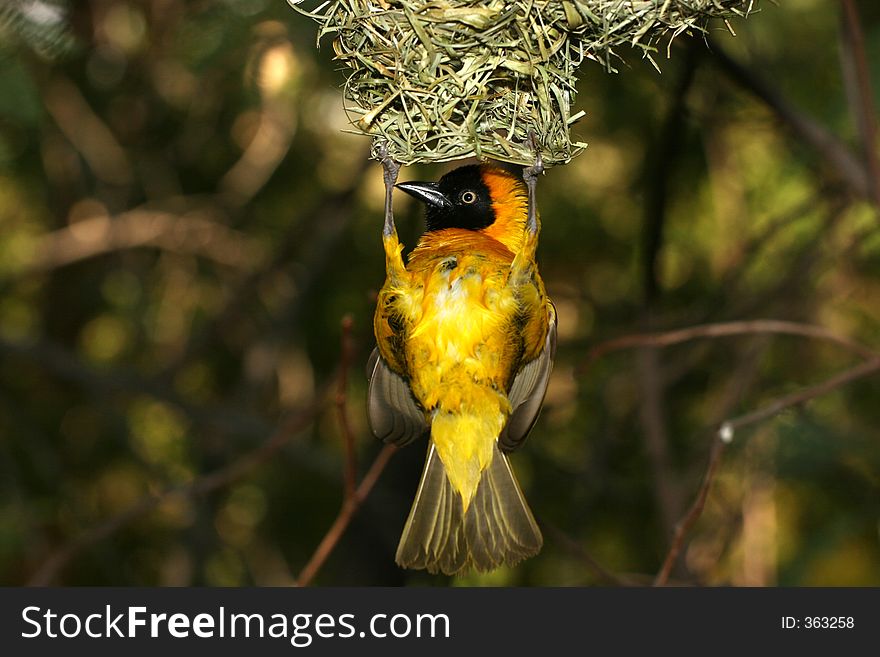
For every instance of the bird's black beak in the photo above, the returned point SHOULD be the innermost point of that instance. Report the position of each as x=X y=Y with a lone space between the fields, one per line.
x=427 y=192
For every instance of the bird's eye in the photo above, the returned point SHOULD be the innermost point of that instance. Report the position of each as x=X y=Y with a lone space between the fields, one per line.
x=468 y=197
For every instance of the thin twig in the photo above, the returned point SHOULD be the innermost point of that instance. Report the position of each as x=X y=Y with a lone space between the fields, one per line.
x=725 y=435
x=722 y=329
x=866 y=368
x=346 y=513
x=353 y=496
x=684 y=525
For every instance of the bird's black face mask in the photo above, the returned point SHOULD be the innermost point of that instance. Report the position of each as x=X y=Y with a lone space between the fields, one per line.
x=460 y=200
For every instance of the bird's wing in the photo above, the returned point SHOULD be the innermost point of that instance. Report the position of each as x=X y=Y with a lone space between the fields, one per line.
x=527 y=394
x=393 y=413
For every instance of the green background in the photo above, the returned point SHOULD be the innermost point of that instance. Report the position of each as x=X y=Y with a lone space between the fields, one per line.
x=184 y=225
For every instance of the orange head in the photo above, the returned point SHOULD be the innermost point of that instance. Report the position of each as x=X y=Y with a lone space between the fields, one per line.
x=478 y=197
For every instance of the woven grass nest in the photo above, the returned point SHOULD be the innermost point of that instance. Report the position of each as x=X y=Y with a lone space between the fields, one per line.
x=439 y=80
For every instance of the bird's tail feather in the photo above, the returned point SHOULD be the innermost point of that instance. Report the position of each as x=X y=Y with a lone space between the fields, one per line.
x=497 y=529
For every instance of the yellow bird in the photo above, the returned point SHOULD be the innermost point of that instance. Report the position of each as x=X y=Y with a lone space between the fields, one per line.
x=466 y=337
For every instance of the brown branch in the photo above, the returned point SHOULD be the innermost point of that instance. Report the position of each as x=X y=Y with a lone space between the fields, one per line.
x=738 y=382
x=263 y=155
x=684 y=525
x=353 y=496
x=659 y=166
x=858 y=76
x=866 y=368
x=840 y=159
x=179 y=233
x=346 y=513
x=722 y=329
x=86 y=131
x=292 y=425
x=652 y=416
x=725 y=435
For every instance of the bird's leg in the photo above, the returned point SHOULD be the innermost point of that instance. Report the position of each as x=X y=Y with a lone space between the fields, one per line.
x=390 y=169
x=530 y=175
x=394 y=267
x=523 y=264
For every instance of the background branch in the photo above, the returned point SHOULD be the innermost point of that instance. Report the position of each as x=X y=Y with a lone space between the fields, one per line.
x=842 y=164
x=191 y=233
x=722 y=329
x=683 y=526
x=860 y=371
x=185 y=221
x=725 y=435
x=661 y=162
x=350 y=506
x=86 y=131
x=353 y=496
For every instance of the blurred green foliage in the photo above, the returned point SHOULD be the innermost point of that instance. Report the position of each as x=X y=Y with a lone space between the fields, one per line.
x=184 y=226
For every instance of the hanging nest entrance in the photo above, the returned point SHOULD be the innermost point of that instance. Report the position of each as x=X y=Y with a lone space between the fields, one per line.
x=438 y=80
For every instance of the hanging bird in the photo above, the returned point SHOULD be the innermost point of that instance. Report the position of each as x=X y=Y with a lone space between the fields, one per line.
x=466 y=338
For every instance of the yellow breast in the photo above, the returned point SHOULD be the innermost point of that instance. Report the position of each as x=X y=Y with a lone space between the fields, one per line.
x=454 y=327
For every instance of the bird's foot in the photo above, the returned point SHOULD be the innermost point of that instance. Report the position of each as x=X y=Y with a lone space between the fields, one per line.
x=390 y=171
x=530 y=176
